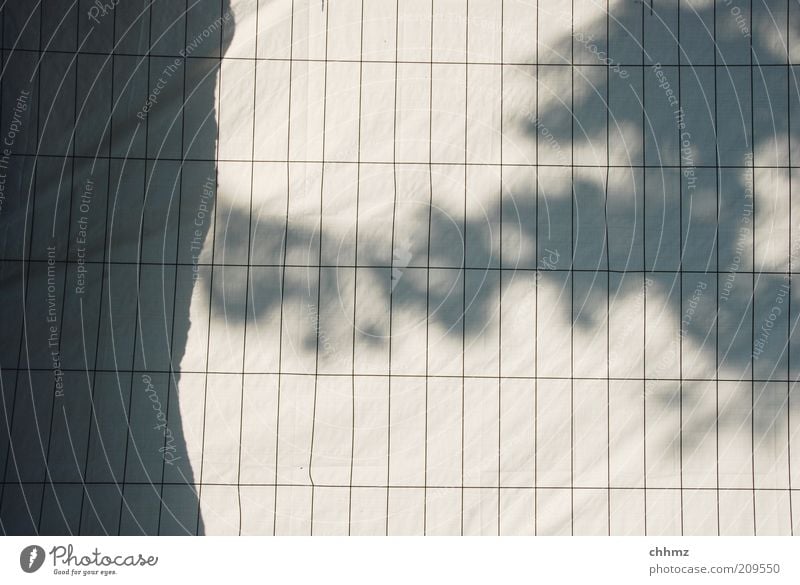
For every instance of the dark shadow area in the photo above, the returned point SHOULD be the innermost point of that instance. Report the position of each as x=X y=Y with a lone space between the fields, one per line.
x=106 y=168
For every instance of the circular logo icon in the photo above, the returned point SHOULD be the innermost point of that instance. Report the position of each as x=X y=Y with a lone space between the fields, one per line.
x=31 y=558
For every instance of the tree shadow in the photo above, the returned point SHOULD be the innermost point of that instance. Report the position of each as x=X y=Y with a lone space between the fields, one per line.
x=668 y=230
x=678 y=196
x=108 y=168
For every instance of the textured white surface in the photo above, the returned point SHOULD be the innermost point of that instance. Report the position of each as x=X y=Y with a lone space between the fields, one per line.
x=450 y=284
